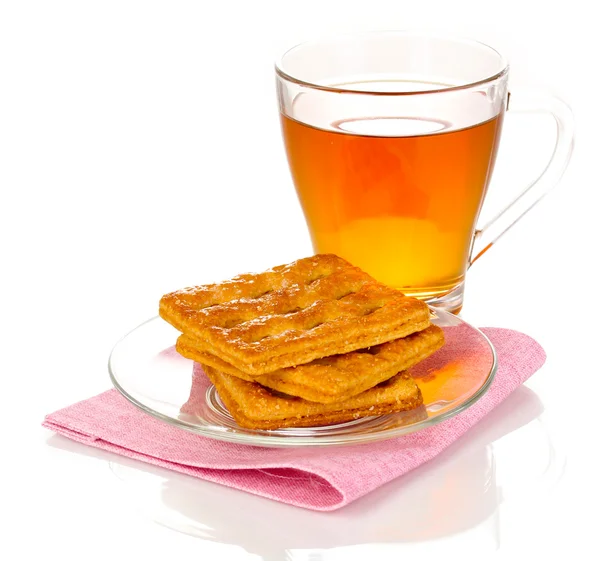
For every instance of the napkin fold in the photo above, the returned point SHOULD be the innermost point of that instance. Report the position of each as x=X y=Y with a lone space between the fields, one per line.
x=314 y=478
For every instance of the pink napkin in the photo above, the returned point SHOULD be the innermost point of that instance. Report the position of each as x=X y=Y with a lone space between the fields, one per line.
x=314 y=478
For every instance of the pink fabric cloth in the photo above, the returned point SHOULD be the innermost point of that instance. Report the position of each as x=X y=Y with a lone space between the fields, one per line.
x=314 y=478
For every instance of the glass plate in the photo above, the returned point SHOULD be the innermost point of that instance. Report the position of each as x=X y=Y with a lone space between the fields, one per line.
x=147 y=370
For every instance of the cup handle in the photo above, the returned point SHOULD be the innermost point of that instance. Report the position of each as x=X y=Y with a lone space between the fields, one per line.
x=530 y=102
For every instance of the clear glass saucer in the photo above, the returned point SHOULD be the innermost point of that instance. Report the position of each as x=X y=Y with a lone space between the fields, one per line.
x=147 y=370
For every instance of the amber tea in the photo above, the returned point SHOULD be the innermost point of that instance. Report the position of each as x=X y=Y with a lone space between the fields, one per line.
x=391 y=139
x=402 y=208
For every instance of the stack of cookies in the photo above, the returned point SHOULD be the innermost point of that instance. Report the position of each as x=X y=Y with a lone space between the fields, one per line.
x=311 y=343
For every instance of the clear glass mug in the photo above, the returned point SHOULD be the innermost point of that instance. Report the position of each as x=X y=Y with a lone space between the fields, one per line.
x=391 y=139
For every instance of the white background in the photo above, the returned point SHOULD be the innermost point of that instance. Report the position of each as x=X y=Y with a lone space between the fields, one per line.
x=140 y=152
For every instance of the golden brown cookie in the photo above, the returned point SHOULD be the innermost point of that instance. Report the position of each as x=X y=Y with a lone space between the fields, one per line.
x=256 y=407
x=337 y=377
x=292 y=314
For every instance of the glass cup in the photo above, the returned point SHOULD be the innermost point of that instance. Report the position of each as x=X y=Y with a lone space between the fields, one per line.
x=391 y=139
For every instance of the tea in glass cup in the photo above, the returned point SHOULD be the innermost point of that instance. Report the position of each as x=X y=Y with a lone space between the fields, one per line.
x=391 y=139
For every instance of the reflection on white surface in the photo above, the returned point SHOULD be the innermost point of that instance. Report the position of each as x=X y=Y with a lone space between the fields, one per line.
x=450 y=504
x=453 y=500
